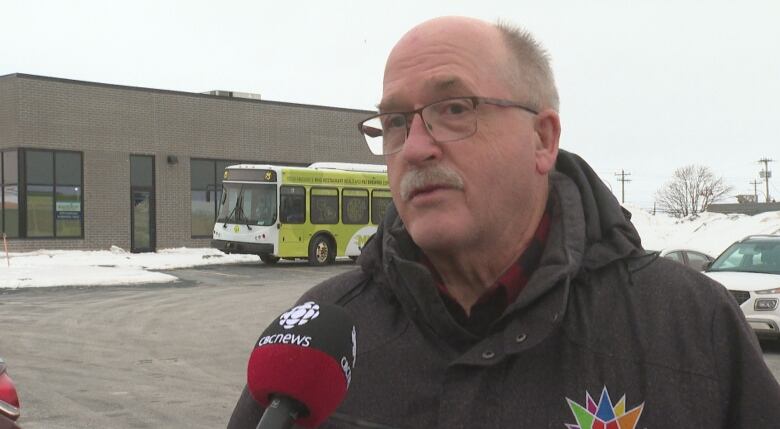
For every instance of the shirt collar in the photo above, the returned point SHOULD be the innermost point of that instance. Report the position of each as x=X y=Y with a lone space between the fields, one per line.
x=509 y=285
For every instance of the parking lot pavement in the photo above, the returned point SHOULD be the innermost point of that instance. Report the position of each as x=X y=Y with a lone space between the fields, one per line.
x=154 y=356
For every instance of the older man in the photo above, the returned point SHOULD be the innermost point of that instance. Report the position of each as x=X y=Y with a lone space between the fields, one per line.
x=508 y=288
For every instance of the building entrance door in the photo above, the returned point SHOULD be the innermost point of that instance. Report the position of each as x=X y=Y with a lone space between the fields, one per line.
x=142 y=210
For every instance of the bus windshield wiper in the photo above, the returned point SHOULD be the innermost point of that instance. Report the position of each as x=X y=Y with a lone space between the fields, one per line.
x=243 y=215
x=238 y=202
x=240 y=214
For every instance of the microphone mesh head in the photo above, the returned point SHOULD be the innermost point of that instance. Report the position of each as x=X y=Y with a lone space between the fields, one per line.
x=307 y=355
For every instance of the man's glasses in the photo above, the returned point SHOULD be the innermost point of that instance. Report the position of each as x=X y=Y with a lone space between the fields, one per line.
x=446 y=121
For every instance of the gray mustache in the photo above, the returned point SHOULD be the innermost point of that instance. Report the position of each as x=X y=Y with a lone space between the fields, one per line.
x=429 y=176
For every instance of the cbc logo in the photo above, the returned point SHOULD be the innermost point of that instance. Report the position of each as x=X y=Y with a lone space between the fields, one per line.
x=299 y=315
x=354 y=345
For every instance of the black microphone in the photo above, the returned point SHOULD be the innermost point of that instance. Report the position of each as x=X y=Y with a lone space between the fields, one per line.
x=301 y=366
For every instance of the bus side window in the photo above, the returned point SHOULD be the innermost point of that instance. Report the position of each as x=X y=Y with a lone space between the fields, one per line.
x=324 y=205
x=380 y=199
x=354 y=206
x=292 y=206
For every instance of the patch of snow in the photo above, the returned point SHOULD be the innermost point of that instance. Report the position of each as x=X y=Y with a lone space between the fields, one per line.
x=45 y=268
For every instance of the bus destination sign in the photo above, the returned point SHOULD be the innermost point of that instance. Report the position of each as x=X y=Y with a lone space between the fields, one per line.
x=250 y=175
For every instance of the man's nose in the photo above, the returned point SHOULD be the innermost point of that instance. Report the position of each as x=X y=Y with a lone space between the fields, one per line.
x=420 y=144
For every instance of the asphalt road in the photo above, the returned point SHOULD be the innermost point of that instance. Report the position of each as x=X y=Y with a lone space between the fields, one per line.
x=154 y=356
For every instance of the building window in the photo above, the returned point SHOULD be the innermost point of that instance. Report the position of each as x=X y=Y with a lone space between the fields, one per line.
x=42 y=194
x=46 y=202
x=67 y=194
x=53 y=199
x=206 y=191
x=40 y=211
x=9 y=206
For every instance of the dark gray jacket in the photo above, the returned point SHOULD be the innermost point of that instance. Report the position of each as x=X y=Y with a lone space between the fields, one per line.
x=601 y=329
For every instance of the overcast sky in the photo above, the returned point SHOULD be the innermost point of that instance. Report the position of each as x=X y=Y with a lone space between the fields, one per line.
x=646 y=86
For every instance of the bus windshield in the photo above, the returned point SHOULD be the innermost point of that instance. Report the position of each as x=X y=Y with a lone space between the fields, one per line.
x=248 y=203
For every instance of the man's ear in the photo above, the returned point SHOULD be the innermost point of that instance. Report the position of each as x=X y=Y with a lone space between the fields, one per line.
x=548 y=131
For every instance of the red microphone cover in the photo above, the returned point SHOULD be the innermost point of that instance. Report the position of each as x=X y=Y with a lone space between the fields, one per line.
x=307 y=355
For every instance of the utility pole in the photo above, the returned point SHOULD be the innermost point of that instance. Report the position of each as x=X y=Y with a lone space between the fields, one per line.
x=623 y=181
x=755 y=189
x=766 y=174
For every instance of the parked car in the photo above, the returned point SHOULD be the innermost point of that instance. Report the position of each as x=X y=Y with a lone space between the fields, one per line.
x=692 y=258
x=750 y=270
x=9 y=399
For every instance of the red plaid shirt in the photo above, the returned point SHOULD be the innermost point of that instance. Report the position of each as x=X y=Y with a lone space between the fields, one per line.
x=504 y=291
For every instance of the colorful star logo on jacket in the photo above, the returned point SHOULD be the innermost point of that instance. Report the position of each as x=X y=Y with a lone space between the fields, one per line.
x=604 y=415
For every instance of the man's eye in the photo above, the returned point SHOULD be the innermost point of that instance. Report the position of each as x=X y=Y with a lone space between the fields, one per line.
x=455 y=107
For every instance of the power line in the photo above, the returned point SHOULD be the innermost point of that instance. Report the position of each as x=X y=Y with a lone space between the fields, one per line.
x=623 y=181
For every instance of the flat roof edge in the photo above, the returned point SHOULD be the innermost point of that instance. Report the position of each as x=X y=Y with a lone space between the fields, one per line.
x=183 y=93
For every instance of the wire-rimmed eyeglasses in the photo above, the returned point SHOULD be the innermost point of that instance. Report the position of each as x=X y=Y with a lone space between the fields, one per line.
x=446 y=121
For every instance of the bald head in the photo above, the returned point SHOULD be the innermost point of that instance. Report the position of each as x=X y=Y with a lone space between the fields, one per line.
x=500 y=54
x=453 y=28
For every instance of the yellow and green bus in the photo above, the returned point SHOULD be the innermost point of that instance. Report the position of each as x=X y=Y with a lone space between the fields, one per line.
x=317 y=212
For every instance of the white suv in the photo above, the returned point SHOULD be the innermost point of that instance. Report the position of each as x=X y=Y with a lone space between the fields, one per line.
x=750 y=270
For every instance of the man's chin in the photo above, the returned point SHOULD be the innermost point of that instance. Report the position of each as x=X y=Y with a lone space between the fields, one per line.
x=435 y=237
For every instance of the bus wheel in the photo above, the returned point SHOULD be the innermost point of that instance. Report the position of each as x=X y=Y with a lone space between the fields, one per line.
x=269 y=259
x=321 y=251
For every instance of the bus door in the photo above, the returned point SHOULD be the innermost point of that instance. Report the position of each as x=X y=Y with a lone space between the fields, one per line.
x=293 y=232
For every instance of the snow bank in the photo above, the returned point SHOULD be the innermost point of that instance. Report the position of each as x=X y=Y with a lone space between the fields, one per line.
x=105 y=267
x=710 y=233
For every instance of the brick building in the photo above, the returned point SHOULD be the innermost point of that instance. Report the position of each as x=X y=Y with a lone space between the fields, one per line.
x=88 y=165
